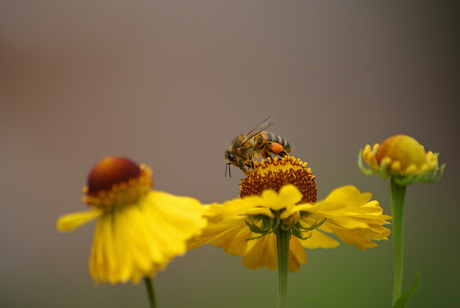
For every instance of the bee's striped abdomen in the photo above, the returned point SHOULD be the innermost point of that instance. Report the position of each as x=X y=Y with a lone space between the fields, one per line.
x=267 y=136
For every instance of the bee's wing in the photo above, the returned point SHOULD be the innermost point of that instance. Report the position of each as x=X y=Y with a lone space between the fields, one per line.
x=257 y=130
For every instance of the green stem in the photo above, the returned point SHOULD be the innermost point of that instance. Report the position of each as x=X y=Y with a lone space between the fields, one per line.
x=282 y=245
x=398 y=193
x=150 y=291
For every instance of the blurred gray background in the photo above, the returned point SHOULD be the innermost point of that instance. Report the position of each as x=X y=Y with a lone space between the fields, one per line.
x=171 y=83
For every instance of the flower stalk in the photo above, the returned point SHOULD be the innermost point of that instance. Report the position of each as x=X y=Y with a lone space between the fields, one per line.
x=282 y=246
x=398 y=193
x=150 y=292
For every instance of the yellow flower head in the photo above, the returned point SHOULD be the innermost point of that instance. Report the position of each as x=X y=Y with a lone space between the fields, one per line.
x=281 y=193
x=402 y=158
x=138 y=230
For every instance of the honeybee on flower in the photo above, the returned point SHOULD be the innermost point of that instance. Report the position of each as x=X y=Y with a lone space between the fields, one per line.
x=245 y=147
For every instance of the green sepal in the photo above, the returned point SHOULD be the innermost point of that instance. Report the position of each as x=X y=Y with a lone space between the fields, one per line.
x=423 y=177
x=298 y=229
x=268 y=225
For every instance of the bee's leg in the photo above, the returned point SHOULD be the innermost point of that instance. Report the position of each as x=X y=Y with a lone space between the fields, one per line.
x=243 y=168
x=266 y=154
x=265 y=150
x=250 y=166
x=282 y=153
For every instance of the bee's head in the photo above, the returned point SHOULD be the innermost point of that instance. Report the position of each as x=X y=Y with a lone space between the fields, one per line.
x=230 y=157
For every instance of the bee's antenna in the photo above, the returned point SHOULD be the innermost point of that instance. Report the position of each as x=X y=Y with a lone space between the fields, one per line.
x=227 y=166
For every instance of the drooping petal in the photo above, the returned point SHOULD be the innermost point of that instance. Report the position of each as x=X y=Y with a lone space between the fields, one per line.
x=358 y=238
x=184 y=214
x=229 y=234
x=318 y=239
x=227 y=228
x=263 y=253
x=297 y=255
x=103 y=260
x=235 y=241
x=353 y=238
x=137 y=240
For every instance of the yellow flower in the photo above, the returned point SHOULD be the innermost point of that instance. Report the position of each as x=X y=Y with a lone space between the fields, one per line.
x=138 y=230
x=402 y=158
x=282 y=194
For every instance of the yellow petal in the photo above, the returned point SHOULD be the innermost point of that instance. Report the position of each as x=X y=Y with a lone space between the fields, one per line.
x=239 y=206
x=229 y=234
x=297 y=255
x=342 y=197
x=227 y=228
x=183 y=213
x=135 y=241
x=318 y=239
x=102 y=260
x=352 y=238
x=288 y=195
x=350 y=215
x=263 y=253
x=271 y=199
x=70 y=222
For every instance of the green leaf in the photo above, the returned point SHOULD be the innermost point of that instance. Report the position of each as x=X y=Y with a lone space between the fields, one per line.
x=401 y=302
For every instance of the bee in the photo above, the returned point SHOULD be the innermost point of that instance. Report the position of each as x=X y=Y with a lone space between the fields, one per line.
x=245 y=147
